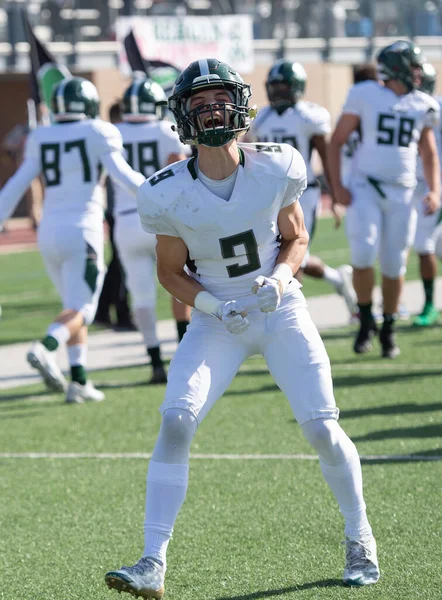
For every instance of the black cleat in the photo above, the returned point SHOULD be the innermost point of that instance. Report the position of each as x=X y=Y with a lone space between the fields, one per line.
x=159 y=375
x=366 y=333
x=388 y=343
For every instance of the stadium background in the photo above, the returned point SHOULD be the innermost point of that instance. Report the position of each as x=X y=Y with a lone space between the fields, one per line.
x=327 y=36
x=258 y=521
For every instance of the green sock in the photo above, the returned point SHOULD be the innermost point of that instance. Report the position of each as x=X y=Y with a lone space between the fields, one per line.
x=50 y=343
x=428 y=289
x=78 y=374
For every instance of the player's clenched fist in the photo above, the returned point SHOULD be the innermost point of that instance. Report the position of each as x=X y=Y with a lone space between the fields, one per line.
x=234 y=317
x=268 y=292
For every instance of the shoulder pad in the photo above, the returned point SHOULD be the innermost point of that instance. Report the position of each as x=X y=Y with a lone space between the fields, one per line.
x=314 y=114
x=161 y=189
x=276 y=159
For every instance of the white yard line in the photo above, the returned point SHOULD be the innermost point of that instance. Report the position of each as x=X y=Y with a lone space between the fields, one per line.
x=147 y=455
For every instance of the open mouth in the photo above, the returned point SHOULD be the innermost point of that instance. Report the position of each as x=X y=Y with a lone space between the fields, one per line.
x=212 y=122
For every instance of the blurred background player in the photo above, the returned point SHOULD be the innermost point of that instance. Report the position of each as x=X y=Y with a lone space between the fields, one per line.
x=114 y=296
x=366 y=72
x=150 y=145
x=396 y=120
x=424 y=243
x=69 y=154
x=305 y=126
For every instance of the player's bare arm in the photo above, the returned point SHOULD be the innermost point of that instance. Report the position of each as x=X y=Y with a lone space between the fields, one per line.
x=320 y=143
x=294 y=236
x=430 y=161
x=294 y=243
x=346 y=124
x=172 y=254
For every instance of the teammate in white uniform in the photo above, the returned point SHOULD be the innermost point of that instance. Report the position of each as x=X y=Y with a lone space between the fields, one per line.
x=424 y=242
x=70 y=155
x=234 y=212
x=395 y=120
x=150 y=145
x=365 y=72
x=305 y=126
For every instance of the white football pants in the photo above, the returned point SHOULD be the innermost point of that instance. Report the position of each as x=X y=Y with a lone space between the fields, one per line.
x=74 y=259
x=380 y=222
x=208 y=358
x=137 y=253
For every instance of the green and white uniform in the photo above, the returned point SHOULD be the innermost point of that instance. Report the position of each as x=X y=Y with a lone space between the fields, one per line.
x=70 y=156
x=380 y=219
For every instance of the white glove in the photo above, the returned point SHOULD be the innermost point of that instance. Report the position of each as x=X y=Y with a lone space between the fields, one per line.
x=268 y=292
x=234 y=317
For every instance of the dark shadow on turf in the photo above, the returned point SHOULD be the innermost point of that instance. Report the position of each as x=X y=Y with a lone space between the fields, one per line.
x=339 y=334
x=392 y=409
x=5 y=397
x=123 y=384
x=424 y=456
x=325 y=583
x=382 y=378
x=347 y=381
x=425 y=431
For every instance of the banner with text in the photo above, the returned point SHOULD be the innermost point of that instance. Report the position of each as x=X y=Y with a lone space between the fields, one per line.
x=181 y=40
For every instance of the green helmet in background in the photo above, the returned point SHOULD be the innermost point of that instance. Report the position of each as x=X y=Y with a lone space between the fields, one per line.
x=428 y=79
x=75 y=99
x=192 y=124
x=399 y=61
x=285 y=84
x=143 y=100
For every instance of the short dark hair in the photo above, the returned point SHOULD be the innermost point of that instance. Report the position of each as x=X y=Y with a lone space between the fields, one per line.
x=115 y=112
x=364 y=72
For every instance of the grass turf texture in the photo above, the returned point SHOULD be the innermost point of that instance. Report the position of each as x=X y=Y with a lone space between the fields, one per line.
x=250 y=529
x=30 y=302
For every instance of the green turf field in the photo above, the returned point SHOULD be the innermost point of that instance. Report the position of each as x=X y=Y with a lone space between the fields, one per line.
x=30 y=302
x=251 y=528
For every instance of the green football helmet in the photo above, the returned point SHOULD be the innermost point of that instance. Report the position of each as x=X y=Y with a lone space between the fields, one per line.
x=75 y=99
x=428 y=79
x=293 y=78
x=399 y=61
x=143 y=100
x=200 y=125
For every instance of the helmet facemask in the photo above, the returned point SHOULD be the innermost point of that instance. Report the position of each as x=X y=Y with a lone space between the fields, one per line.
x=214 y=124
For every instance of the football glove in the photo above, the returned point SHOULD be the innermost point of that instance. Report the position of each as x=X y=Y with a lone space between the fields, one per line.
x=268 y=292
x=234 y=317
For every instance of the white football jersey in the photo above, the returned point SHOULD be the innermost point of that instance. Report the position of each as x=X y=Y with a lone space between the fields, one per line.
x=147 y=148
x=348 y=154
x=69 y=157
x=438 y=135
x=295 y=126
x=391 y=128
x=230 y=242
